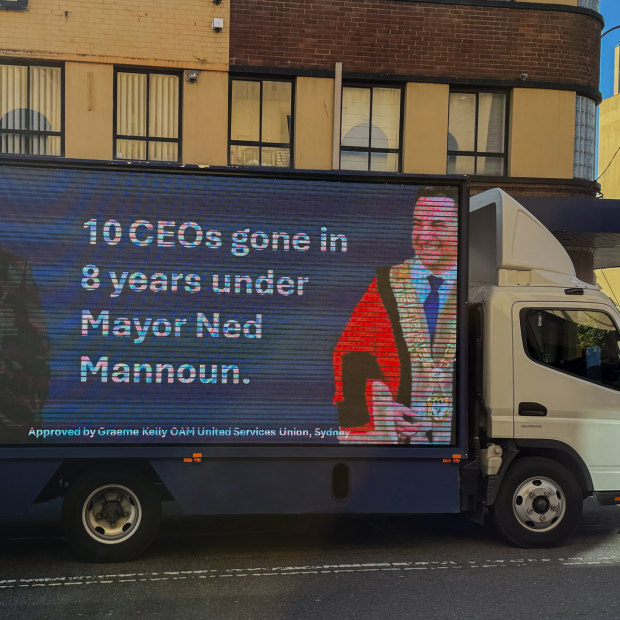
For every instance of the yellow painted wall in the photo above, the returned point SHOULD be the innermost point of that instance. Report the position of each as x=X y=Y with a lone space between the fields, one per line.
x=205 y=119
x=608 y=143
x=609 y=281
x=542 y=133
x=314 y=123
x=90 y=115
x=89 y=110
x=137 y=32
x=616 y=61
x=425 y=128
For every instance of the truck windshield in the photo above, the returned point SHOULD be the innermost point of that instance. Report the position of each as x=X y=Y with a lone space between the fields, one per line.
x=580 y=342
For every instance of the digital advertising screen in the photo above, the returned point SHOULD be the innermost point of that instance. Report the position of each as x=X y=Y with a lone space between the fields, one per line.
x=142 y=308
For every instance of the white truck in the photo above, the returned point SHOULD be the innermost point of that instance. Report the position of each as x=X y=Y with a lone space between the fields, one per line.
x=177 y=333
x=550 y=397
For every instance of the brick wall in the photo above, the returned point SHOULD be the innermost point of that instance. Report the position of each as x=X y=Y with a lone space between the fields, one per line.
x=416 y=38
x=542 y=188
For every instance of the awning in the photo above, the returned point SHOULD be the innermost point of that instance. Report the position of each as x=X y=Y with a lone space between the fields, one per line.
x=581 y=223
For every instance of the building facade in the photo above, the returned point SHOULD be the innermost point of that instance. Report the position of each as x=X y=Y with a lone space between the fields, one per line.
x=502 y=90
x=609 y=168
x=609 y=137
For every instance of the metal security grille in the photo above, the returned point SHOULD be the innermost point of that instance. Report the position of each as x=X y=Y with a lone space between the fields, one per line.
x=31 y=109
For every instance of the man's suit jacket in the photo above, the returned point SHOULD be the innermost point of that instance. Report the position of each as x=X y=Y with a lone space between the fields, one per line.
x=387 y=340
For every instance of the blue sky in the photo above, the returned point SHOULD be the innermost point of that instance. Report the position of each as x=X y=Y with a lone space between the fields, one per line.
x=610 y=9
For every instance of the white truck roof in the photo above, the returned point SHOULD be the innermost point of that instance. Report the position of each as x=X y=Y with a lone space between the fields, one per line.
x=509 y=246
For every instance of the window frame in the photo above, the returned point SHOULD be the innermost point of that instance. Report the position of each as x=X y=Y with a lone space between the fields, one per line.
x=369 y=150
x=476 y=153
x=523 y=328
x=14 y=5
x=148 y=71
x=260 y=144
x=38 y=133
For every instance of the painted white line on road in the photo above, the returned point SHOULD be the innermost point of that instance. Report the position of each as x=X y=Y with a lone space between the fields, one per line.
x=294 y=571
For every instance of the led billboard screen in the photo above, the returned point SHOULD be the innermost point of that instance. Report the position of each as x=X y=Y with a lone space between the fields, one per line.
x=161 y=307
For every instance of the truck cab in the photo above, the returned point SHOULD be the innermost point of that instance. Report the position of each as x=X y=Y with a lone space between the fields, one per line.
x=550 y=368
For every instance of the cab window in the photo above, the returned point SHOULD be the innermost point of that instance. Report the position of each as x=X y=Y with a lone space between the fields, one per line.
x=579 y=342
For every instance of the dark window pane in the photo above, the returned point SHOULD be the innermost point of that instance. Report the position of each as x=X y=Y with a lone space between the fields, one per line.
x=261 y=123
x=163 y=106
x=490 y=165
x=351 y=160
x=476 y=127
x=163 y=151
x=355 y=117
x=491 y=120
x=384 y=162
x=462 y=121
x=245 y=111
x=461 y=164
x=45 y=98
x=131 y=104
x=582 y=343
x=131 y=149
x=276 y=111
x=13 y=144
x=271 y=156
x=385 y=118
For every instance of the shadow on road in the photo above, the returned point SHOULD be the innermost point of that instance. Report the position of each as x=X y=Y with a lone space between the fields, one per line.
x=40 y=534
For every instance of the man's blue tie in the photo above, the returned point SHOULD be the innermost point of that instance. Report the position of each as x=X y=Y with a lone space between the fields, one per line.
x=431 y=305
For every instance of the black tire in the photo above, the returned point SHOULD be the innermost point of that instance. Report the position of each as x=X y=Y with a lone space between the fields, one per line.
x=539 y=503
x=111 y=515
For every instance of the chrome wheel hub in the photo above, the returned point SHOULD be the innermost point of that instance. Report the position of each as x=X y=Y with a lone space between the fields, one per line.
x=111 y=514
x=539 y=504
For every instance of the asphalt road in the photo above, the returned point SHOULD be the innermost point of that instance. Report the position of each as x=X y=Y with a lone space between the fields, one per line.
x=315 y=567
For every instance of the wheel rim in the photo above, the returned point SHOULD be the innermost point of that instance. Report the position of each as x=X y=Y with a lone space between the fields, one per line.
x=539 y=504
x=112 y=514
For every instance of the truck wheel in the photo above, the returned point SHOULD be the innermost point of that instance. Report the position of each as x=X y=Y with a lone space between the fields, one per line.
x=111 y=515
x=539 y=503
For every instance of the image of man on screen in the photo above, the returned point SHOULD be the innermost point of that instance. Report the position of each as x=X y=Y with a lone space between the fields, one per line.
x=394 y=361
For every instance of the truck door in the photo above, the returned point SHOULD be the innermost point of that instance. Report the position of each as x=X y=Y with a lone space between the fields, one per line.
x=567 y=382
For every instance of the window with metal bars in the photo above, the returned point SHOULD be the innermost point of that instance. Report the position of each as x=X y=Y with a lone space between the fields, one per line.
x=148 y=118
x=31 y=109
